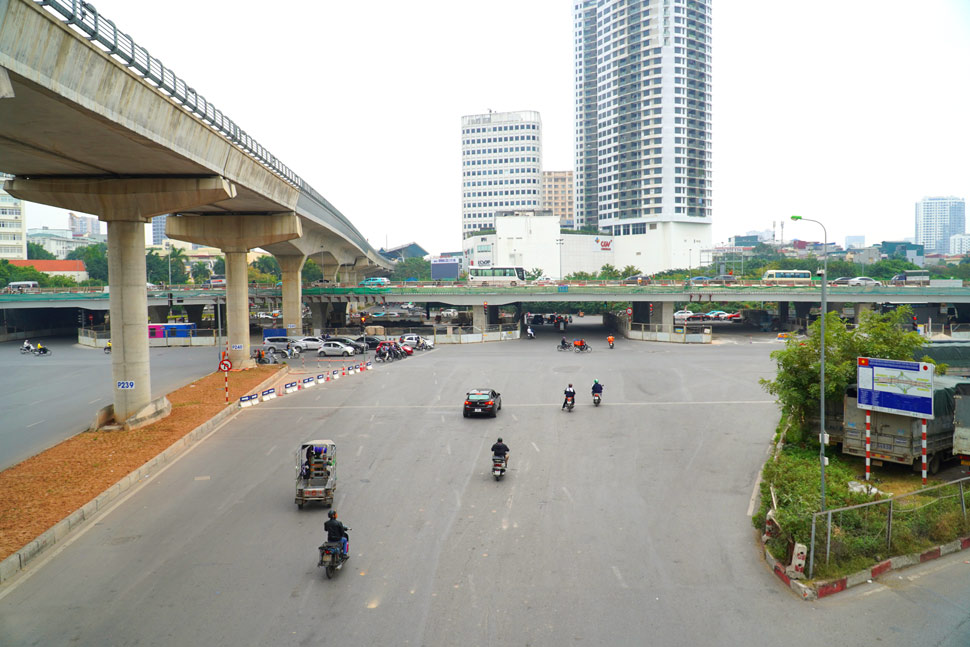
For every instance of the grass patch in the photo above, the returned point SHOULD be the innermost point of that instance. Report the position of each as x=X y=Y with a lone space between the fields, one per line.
x=857 y=538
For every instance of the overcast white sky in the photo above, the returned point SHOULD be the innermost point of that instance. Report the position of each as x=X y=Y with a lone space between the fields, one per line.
x=846 y=111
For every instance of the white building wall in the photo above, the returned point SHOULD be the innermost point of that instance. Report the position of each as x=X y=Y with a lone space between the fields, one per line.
x=960 y=243
x=13 y=228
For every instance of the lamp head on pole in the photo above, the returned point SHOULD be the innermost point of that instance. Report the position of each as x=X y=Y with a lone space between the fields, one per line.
x=796 y=217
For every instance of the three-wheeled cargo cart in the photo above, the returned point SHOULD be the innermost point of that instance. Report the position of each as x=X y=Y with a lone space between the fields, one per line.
x=316 y=472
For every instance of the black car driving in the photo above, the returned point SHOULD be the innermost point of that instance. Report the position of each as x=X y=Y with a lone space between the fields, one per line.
x=482 y=402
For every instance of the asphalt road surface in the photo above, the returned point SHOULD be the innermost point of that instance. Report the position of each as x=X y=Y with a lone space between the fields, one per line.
x=46 y=400
x=625 y=524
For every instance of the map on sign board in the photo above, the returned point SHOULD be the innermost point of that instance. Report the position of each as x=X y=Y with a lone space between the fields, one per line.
x=896 y=386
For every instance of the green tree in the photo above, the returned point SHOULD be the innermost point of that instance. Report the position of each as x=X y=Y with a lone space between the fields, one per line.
x=95 y=259
x=412 y=268
x=630 y=270
x=609 y=273
x=580 y=276
x=534 y=273
x=311 y=271
x=178 y=259
x=796 y=384
x=37 y=252
x=200 y=272
x=219 y=267
x=268 y=265
x=156 y=267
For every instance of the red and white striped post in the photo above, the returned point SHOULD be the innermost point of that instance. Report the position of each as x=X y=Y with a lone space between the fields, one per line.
x=868 y=442
x=227 y=386
x=924 y=451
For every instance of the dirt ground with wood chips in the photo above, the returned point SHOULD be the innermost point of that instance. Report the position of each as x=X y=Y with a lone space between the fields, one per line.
x=42 y=490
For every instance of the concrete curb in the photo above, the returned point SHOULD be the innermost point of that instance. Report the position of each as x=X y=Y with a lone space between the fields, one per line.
x=34 y=549
x=825 y=588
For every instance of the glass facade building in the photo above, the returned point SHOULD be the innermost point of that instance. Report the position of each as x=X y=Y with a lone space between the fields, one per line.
x=501 y=155
x=643 y=113
x=936 y=220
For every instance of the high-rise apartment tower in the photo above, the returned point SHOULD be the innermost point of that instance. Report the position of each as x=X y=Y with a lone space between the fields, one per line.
x=13 y=227
x=936 y=220
x=557 y=195
x=643 y=120
x=501 y=162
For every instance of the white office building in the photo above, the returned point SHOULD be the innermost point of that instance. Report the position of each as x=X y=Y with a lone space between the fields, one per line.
x=960 y=244
x=937 y=219
x=13 y=228
x=501 y=155
x=643 y=123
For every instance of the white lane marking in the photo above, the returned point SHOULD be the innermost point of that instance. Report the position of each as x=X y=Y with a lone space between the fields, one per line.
x=374 y=414
x=271 y=450
x=202 y=478
x=360 y=449
x=94 y=400
x=515 y=418
x=25 y=575
x=448 y=448
x=568 y=495
x=299 y=419
x=36 y=423
x=685 y=403
x=536 y=447
x=442 y=418
x=38 y=402
x=619 y=577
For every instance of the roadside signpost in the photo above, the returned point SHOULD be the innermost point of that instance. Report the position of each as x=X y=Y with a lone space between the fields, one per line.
x=224 y=366
x=895 y=386
x=629 y=312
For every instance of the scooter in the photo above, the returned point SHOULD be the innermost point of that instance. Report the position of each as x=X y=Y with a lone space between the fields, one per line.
x=332 y=557
x=611 y=343
x=596 y=399
x=107 y=350
x=570 y=402
x=41 y=351
x=26 y=349
x=499 y=464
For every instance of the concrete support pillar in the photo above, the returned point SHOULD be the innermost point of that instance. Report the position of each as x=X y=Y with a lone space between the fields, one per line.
x=338 y=315
x=482 y=316
x=237 y=307
x=318 y=317
x=128 y=299
x=663 y=313
x=158 y=314
x=292 y=293
x=783 y=313
x=859 y=309
x=802 y=309
x=194 y=313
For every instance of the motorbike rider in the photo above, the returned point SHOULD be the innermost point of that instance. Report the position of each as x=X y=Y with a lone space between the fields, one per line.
x=27 y=345
x=597 y=388
x=529 y=332
x=40 y=348
x=610 y=340
x=337 y=532
x=570 y=392
x=579 y=343
x=501 y=449
x=564 y=343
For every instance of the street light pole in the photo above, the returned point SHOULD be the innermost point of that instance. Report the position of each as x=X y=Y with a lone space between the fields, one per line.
x=825 y=280
x=560 y=242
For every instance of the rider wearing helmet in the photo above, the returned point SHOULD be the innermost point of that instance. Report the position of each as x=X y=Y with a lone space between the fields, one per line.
x=336 y=531
x=597 y=387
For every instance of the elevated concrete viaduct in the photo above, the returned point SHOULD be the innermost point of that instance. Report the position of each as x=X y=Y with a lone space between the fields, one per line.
x=90 y=121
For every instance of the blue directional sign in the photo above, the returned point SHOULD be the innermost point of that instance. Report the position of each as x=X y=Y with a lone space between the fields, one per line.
x=896 y=386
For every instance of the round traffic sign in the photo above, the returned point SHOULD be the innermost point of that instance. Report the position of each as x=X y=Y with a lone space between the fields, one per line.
x=225 y=365
x=629 y=311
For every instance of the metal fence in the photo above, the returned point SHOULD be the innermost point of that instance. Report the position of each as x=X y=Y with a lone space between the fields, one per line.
x=895 y=526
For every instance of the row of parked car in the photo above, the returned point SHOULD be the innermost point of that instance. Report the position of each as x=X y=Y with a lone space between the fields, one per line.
x=340 y=346
x=713 y=315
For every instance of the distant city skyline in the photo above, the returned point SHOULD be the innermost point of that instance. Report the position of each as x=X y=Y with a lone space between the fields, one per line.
x=798 y=152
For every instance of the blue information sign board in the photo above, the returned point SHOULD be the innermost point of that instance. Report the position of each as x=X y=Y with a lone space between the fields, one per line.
x=896 y=386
